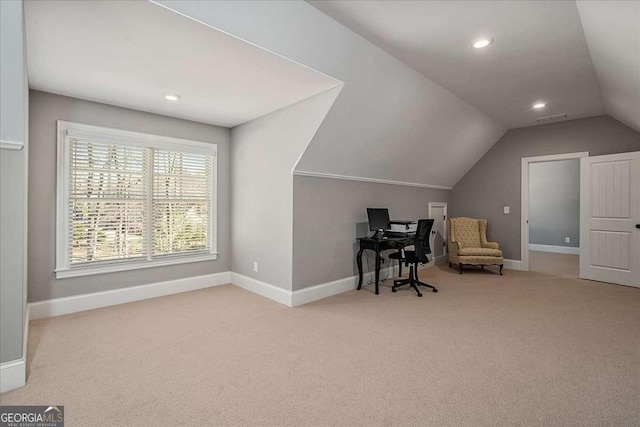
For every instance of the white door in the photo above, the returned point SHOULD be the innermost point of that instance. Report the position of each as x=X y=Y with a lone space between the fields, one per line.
x=610 y=218
x=438 y=211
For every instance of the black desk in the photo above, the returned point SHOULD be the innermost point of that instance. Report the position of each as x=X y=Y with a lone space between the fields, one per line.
x=379 y=245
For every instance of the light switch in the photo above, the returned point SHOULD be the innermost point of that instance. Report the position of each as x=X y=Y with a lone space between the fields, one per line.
x=506 y=209
x=567 y=239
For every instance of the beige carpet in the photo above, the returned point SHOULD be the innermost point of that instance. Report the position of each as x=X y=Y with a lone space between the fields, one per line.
x=564 y=265
x=524 y=349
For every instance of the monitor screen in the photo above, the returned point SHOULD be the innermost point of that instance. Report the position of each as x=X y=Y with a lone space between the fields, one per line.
x=378 y=218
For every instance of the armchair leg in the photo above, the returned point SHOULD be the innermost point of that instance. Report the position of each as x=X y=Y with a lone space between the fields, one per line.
x=501 y=265
x=460 y=266
x=450 y=265
x=482 y=267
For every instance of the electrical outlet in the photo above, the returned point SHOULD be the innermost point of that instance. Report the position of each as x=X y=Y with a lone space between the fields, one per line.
x=506 y=209
x=567 y=239
x=255 y=266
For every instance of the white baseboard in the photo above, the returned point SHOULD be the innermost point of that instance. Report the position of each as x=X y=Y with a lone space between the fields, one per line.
x=12 y=375
x=555 y=249
x=323 y=290
x=275 y=293
x=74 y=304
x=513 y=264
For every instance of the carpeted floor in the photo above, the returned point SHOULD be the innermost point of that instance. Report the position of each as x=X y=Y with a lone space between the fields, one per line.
x=564 y=265
x=524 y=349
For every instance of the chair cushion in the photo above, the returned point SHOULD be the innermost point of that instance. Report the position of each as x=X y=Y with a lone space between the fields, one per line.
x=479 y=252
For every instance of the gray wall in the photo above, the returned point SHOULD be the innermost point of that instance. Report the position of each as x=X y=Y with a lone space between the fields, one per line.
x=264 y=151
x=329 y=214
x=554 y=203
x=494 y=181
x=13 y=181
x=45 y=110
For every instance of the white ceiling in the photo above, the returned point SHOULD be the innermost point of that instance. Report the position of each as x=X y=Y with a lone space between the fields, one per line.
x=132 y=53
x=539 y=54
x=612 y=30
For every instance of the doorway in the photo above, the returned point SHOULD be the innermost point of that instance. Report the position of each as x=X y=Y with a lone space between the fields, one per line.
x=551 y=214
x=438 y=239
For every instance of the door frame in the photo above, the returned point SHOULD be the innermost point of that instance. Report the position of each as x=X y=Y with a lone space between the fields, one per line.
x=524 y=200
x=444 y=226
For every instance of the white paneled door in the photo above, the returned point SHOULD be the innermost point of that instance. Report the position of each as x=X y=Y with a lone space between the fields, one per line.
x=610 y=218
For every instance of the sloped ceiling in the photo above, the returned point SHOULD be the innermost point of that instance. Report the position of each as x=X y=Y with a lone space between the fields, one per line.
x=133 y=53
x=389 y=121
x=539 y=51
x=612 y=29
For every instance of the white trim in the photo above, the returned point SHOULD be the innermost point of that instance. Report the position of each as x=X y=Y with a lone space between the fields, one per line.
x=328 y=289
x=513 y=264
x=130 y=265
x=275 y=293
x=74 y=304
x=77 y=303
x=213 y=208
x=12 y=375
x=139 y=139
x=323 y=290
x=6 y=144
x=524 y=198
x=555 y=249
x=363 y=179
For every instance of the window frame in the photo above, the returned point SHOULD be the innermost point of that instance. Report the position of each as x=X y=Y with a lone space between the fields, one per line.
x=65 y=131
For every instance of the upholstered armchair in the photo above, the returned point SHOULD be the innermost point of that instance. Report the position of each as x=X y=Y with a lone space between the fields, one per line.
x=467 y=244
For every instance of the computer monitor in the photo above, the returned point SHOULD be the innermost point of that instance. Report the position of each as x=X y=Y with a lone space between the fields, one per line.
x=378 y=219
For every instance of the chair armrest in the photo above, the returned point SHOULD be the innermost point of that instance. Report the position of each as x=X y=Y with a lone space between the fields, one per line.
x=491 y=245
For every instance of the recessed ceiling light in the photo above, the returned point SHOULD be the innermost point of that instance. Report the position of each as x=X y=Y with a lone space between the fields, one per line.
x=539 y=105
x=172 y=97
x=479 y=44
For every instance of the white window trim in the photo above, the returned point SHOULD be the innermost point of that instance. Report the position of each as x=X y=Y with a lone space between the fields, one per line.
x=66 y=129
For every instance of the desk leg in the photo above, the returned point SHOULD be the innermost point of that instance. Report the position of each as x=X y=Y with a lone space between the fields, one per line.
x=377 y=271
x=359 y=261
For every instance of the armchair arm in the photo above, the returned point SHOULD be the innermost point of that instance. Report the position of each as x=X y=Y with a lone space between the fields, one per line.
x=491 y=245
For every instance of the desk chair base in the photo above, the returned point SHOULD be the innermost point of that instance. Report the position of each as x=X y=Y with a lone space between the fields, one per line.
x=412 y=281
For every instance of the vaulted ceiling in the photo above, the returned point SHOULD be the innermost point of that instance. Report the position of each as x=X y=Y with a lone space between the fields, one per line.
x=419 y=105
x=539 y=52
x=612 y=29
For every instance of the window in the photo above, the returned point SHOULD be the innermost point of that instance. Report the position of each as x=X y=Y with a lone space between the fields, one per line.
x=129 y=200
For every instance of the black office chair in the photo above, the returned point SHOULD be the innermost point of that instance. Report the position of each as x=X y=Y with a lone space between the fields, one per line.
x=417 y=256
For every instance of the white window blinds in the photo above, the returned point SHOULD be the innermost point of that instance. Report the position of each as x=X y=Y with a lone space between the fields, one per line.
x=127 y=198
x=181 y=202
x=107 y=197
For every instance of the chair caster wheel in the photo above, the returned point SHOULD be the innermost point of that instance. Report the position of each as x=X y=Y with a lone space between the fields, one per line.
x=435 y=290
x=393 y=290
x=419 y=295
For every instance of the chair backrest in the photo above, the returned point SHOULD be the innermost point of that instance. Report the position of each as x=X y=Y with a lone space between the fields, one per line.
x=466 y=231
x=421 y=243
